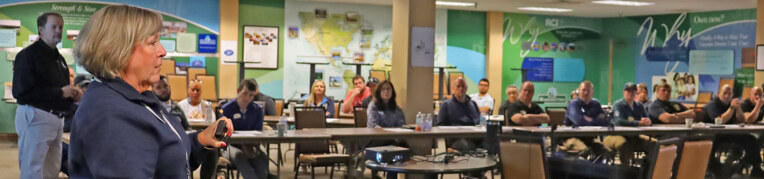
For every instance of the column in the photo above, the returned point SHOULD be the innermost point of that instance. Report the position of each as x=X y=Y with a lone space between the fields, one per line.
x=494 y=55
x=229 y=30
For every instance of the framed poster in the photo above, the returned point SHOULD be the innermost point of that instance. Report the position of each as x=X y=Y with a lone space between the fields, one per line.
x=759 y=57
x=261 y=47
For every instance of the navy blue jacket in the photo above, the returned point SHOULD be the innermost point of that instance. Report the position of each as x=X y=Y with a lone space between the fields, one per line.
x=625 y=115
x=455 y=113
x=115 y=136
x=250 y=120
x=577 y=109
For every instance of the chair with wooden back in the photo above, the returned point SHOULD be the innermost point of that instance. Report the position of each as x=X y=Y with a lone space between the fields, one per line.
x=279 y=106
x=726 y=81
x=209 y=87
x=359 y=113
x=179 y=86
x=661 y=159
x=703 y=98
x=168 y=67
x=693 y=160
x=379 y=74
x=522 y=157
x=192 y=72
x=314 y=153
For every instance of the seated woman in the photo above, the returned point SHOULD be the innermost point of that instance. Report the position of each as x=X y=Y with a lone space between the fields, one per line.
x=383 y=111
x=196 y=109
x=318 y=98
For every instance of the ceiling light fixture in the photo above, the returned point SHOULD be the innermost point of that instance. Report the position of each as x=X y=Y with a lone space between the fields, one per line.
x=623 y=3
x=454 y=3
x=545 y=9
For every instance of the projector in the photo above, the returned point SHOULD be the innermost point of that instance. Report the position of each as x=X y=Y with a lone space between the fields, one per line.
x=388 y=154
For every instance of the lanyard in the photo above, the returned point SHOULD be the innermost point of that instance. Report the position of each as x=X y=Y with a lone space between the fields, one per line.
x=163 y=119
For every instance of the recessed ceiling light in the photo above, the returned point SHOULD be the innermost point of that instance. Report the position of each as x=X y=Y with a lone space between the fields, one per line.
x=454 y=3
x=546 y=9
x=623 y=3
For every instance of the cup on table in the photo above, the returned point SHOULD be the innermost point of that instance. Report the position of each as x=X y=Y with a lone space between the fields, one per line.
x=688 y=122
x=718 y=121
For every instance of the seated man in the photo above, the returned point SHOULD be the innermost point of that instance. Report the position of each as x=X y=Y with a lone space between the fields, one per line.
x=752 y=106
x=355 y=97
x=372 y=85
x=460 y=110
x=511 y=98
x=524 y=112
x=246 y=116
x=163 y=92
x=664 y=111
x=482 y=99
x=628 y=112
x=729 y=110
x=587 y=111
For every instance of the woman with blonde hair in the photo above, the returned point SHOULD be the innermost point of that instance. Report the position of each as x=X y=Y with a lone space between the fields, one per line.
x=121 y=129
x=318 y=98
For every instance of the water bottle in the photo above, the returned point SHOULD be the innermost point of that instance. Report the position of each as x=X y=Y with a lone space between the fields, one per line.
x=482 y=119
x=427 y=122
x=419 y=119
x=281 y=127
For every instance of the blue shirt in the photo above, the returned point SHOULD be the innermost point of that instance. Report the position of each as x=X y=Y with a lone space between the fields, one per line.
x=625 y=115
x=251 y=119
x=327 y=104
x=114 y=135
x=455 y=113
x=577 y=109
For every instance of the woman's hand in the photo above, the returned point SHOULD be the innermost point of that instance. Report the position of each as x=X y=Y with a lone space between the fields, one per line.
x=207 y=136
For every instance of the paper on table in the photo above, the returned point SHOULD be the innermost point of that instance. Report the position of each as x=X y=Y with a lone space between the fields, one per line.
x=398 y=130
x=7 y=38
x=186 y=43
x=169 y=45
x=247 y=133
x=328 y=120
x=448 y=127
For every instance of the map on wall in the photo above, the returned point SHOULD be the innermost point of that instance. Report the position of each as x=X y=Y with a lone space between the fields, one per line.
x=335 y=33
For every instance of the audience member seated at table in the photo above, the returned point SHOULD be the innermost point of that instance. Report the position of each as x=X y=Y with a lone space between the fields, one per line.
x=460 y=110
x=511 y=98
x=752 y=106
x=317 y=98
x=355 y=97
x=642 y=96
x=270 y=104
x=729 y=110
x=482 y=98
x=664 y=111
x=246 y=116
x=586 y=111
x=628 y=112
x=384 y=111
x=524 y=112
x=372 y=85
x=196 y=109
x=162 y=90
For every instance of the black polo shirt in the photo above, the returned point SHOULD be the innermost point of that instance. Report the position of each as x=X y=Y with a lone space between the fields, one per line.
x=658 y=107
x=747 y=106
x=519 y=107
x=39 y=73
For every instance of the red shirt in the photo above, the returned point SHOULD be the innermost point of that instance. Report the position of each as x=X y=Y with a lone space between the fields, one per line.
x=358 y=100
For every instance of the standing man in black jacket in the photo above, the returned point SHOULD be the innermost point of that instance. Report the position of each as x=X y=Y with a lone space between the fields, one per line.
x=42 y=87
